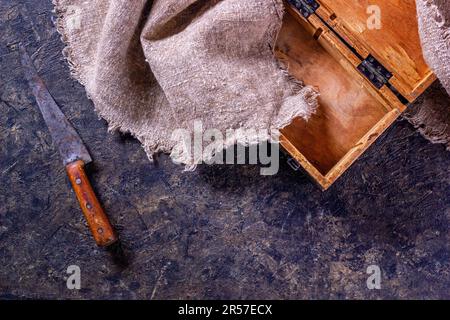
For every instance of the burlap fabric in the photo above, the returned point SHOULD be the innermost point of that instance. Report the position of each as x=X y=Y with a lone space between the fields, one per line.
x=152 y=67
x=431 y=113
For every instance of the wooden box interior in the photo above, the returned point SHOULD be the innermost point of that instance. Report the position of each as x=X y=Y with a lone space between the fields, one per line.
x=352 y=113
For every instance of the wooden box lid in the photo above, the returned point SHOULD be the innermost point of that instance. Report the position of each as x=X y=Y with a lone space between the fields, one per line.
x=394 y=42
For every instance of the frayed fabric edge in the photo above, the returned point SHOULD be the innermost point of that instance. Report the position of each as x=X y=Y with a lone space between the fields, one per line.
x=151 y=149
x=301 y=103
x=435 y=136
x=60 y=23
x=437 y=24
x=182 y=153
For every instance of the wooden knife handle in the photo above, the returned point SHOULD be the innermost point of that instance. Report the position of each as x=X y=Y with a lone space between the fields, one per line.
x=97 y=220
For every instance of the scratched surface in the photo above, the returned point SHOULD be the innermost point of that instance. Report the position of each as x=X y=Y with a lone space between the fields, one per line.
x=219 y=232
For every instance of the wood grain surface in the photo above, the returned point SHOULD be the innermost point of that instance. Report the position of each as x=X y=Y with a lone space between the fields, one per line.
x=96 y=218
x=396 y=43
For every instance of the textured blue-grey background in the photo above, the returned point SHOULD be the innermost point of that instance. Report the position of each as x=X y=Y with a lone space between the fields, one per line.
x=218 y=232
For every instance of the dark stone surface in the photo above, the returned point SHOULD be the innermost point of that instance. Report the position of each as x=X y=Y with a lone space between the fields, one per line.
x=219 y=232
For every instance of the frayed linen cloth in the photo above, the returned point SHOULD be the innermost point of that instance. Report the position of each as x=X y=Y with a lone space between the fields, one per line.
x=153 y=68
x=431 y=113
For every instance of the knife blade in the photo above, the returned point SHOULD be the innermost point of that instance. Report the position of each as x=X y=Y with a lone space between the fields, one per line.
x=73 y=152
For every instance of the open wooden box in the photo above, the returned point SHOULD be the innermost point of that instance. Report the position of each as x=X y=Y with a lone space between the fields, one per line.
x=366 y=77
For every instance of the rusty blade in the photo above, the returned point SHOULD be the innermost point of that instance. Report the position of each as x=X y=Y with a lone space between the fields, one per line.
x=64 y=136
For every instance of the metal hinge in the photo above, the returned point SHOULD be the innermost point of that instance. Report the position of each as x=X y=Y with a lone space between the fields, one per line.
x=306 y=7
x=373 y=70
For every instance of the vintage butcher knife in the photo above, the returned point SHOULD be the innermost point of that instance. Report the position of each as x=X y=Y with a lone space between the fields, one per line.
x=74 y=153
